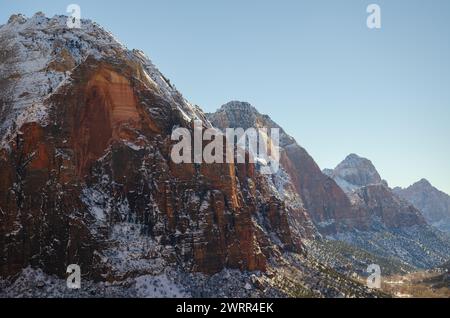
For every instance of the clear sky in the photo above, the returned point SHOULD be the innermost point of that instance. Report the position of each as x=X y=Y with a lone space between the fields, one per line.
x=313 y=66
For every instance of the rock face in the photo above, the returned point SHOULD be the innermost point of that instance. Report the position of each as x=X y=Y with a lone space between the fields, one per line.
x=393 y=226
x=86 y=178
x=434 y=204
x=319 y=195
x=385 y=208
x=359 y=178
x=85 y=156
x=351 y=202
x=354 y=172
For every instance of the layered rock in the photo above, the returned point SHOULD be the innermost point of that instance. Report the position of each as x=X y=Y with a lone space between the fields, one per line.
x=385 y=208
x=85 y=161
x=319 y=195
x=351 y=202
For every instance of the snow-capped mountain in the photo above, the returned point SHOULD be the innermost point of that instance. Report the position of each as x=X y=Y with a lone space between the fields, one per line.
x=38 y=56
x=433 y=203
x=86 y=178
x=99 y=156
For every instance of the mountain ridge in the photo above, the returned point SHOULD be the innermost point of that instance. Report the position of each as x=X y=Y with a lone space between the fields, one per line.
x=364 y=210
x=86 y=178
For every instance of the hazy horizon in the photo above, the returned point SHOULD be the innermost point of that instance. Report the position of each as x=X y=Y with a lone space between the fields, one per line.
x=313 y=66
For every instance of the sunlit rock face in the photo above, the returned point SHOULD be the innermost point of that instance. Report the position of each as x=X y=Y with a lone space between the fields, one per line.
x=87 y=157
x=86 y=178
x=323 y=200
x=350 y=203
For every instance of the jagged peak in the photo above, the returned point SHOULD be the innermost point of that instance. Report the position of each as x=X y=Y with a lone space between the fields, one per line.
x=244 y=115
x=241 y=107
x=425 y=185
x=422 y=184
x=353 y=158
x=40 y=22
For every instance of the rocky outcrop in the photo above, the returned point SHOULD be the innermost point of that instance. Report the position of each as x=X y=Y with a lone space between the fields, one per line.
x=393 y=227
x=325 y=202
x=433 y=203
x=354 y=172
x=385 y=208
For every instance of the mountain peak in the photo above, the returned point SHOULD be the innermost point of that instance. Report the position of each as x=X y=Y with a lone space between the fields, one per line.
x=355 y=172
x=21 y=18
x=353 y=157
x=41 y=54
x=39 y=19
x=423 y=182
x=238 y=105
x=240 y=114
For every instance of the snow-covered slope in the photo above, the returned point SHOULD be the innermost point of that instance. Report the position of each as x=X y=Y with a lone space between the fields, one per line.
x=38 y=55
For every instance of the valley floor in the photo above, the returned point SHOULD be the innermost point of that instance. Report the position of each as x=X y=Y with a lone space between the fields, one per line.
x=425 y=284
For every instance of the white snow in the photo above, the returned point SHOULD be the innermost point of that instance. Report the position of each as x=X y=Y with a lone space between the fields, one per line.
x=38 y=41
x=160 y=286
x=97 y=203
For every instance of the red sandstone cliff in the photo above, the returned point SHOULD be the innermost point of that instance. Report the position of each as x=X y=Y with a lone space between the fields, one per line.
x=92 y=150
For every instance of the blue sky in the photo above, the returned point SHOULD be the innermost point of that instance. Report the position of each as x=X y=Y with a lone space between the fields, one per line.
x=313 y=66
